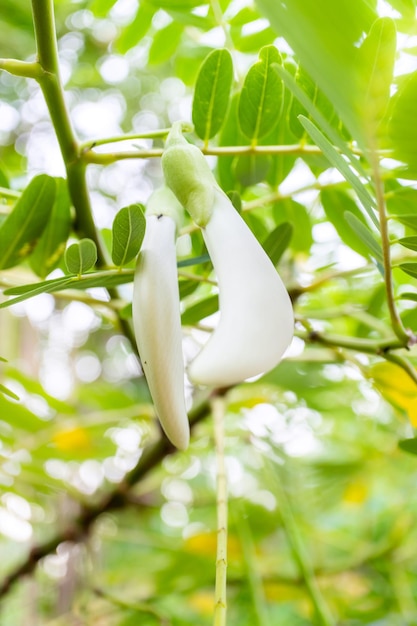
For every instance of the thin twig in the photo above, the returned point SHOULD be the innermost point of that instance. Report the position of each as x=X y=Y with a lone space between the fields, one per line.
x=396 y=321
x=220 y=606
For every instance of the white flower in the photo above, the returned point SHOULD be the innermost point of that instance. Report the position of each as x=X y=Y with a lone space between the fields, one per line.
x=157 y=325
x=256 y=316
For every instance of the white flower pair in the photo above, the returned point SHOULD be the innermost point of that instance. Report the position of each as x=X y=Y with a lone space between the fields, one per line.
x=256 y=316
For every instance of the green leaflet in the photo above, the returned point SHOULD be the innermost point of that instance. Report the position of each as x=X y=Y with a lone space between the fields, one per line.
x=212 y=93
x=199 y=260
x=409 y=295
x=165 y=43
x=29 y=291
x=137 y=29
x=5 y=390
x=402 y=127
x=366 y=235
x=406 y=7
x=316 y=99
x=106 y=279
x=261 y=98
x=252 y=168
x=336 y=204
x=288 y=210
x=101 y=8
x=200 y=310
x=176 y=5
x=409 y=242
x=408 y=445
x=128 y=231
x=278 y=241
x=324 y=35
x=316 y=115
x=230 y=135
x=252 y=41
x=24 y=225
x=409 y=220
x=51 y=245
x=8 y=392
x=339 y=162
x=409 y=268
x=376 y=58
x=81 y=257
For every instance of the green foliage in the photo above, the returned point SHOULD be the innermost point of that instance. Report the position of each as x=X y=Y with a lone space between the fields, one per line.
x=310 y=29
x=22 y=228
x=336 y=205
x=128 y=232
x=211 y=95
x=81 y=257
x=51 y=245
x=401 y=128
x=300 y=131
x=278 y=241
x=260 y=102
x=376 y=58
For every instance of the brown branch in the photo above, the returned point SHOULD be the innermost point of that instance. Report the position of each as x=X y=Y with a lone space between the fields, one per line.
x=79 y=528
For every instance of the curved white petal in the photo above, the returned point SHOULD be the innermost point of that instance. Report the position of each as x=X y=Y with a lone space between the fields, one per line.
x=157 y=325
x=256 y=316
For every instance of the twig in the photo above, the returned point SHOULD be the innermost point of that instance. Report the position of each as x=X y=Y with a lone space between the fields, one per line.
x=397 y=325
x=220 y=606
x=24 y=69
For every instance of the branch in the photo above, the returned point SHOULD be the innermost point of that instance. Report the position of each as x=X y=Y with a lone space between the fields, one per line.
x=160 y=133
x=370 y=346
x=378 y=347
x=407 y=338
x=220 y=607
x=78 y=529
x=106 y=158
x=52 y=89
x=21 y=68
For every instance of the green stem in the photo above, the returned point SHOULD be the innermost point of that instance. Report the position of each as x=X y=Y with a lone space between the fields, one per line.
x=9 y=193
x=223 y=24
x=89 y=156
x=50 y=83
x=161 y=133
x=21 y=68
x=369 y=346
x=220 y=606
x=77 y=186
x=107 y=158
x=52 y=89
x=378 y=347
x=396 y=321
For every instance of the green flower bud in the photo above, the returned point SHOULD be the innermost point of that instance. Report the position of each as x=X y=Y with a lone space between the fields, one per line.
x=188 y=175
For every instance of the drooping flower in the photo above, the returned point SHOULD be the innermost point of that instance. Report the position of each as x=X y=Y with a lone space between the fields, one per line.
x=156 y=317
x=256 y=316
